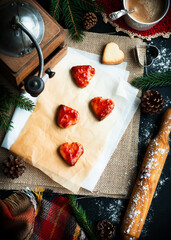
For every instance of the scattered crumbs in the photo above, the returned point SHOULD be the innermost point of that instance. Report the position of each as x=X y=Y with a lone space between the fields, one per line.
x=112 y=211
x=163 y=62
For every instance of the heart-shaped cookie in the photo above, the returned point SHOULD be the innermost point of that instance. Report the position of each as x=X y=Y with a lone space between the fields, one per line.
x=112 y=54
x=67 y=116
x=71 y=152
x=82 y=75
x=102 y=107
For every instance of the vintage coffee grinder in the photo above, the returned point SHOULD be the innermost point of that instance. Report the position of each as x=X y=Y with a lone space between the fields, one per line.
x=31 y=43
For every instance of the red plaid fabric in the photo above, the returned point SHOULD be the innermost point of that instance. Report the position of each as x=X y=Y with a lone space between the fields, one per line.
x=164 y=26
x=17 y=216
x=55 y=221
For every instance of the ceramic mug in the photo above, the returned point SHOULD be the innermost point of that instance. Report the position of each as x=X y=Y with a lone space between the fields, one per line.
x=142 y=26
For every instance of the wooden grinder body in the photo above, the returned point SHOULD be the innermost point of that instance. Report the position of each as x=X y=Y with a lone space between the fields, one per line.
x=18 y=69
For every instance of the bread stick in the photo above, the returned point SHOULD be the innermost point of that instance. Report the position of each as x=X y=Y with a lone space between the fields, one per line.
x=146 y=182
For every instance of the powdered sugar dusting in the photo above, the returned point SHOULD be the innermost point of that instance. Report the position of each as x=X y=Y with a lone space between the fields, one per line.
x=147 y=132
x=161 y=183
x=163 y=62
x=112 y=211
x=167 y=101
x=142 y=196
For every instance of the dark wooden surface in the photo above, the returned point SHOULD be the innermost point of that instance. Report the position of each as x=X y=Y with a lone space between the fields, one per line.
x=157 y=225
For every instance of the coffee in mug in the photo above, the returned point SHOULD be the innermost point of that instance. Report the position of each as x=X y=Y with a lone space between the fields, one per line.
x=146 y=11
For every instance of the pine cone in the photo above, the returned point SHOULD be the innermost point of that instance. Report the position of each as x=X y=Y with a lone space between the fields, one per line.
x=105 y=229
x=13 y=167
x=89 y=20
x=152 y=102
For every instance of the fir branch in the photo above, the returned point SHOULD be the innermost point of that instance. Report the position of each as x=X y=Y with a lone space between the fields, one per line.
x=8 y=98
x=89 y=5
x=5 y=122
x=153 y=80
x=5 y=96
x=55 y=9
x=82 y=218
x=22 y=102
x=72 y=11
x=72 y=20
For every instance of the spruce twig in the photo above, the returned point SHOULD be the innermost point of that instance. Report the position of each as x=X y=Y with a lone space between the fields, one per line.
x=90 y=5
x=72 y=11
x=7 y=98
x=55 y=9
x=5 y=122
x=81 y=217
x=72 y=19
x=22 y=102
x=155 y=79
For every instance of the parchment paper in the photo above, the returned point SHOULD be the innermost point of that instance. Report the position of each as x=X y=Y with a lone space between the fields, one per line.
x=120 y=171
x=39 y=140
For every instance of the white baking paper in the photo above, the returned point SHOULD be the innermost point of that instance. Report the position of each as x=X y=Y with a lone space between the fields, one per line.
x=20 y=117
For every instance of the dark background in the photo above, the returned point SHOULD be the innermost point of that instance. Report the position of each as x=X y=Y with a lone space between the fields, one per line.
x=158 y=222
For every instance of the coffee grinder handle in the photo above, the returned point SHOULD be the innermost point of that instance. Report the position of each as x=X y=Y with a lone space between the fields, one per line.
x=34 y=84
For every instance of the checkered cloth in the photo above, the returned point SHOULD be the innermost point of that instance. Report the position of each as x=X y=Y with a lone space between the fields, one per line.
x=17 y=215
x=54 y=221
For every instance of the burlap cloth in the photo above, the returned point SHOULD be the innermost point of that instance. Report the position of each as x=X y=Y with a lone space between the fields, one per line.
x=116 y=181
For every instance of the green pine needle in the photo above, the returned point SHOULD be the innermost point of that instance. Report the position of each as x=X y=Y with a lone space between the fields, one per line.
x=5 y=121
x=82 y=218
x=55 y=9
x=72 y=11
x=7 y=98
x=89 y=5
x=153 y=80
x=22 y=102
x=72 y=20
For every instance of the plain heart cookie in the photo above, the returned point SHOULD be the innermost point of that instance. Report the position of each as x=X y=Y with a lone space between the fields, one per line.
x=67 y=116
x=112 y=54
x=101 y=107
x=82 y=75
x=71 y=152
